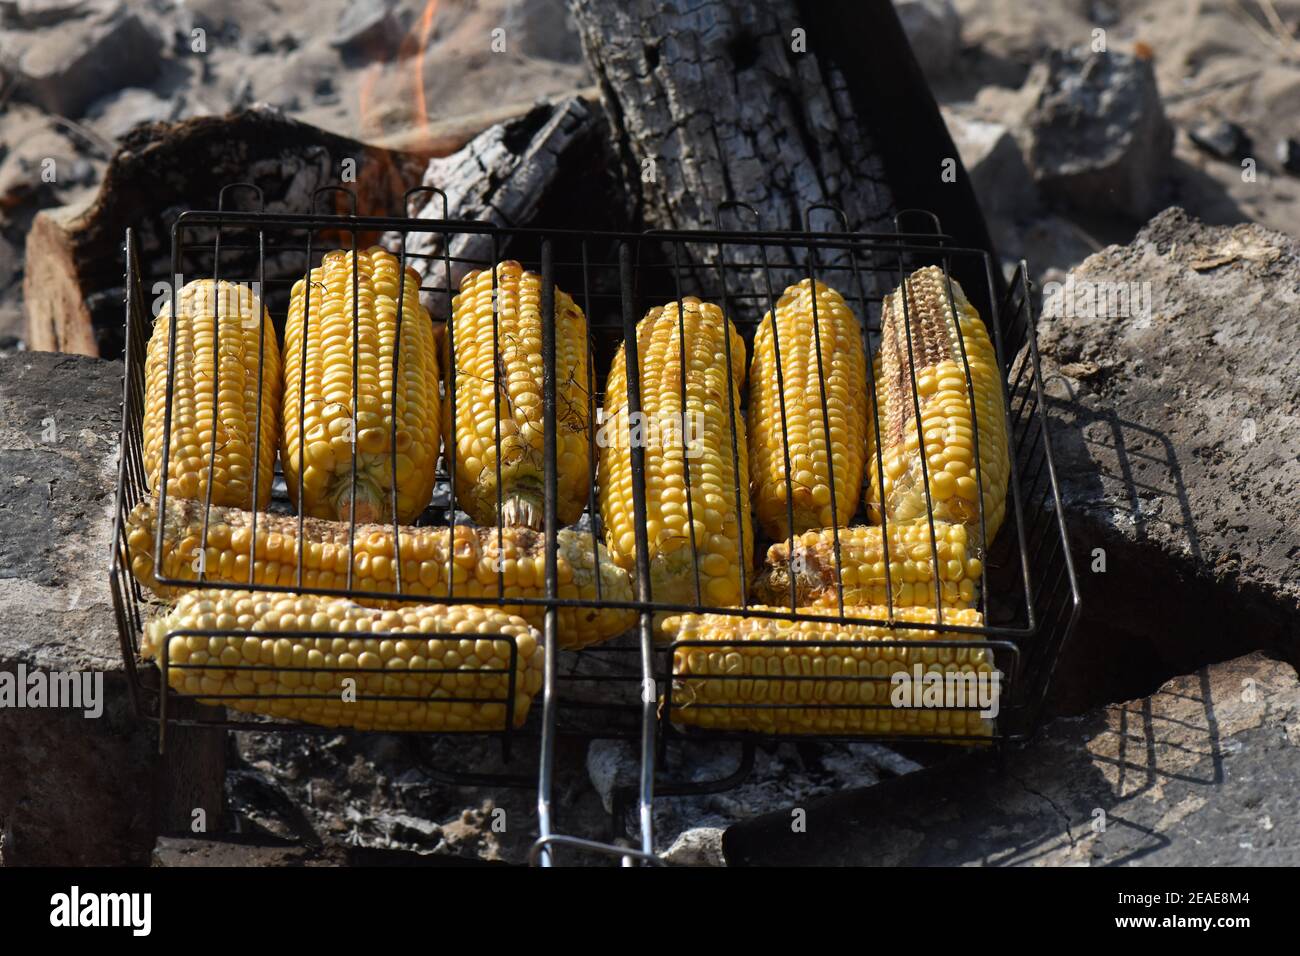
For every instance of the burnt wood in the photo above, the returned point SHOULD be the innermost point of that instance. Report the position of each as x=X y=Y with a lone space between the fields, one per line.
x=73 y=284
x=711 y=102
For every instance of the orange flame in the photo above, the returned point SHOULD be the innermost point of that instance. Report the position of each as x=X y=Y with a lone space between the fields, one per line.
x=380 y=183
x=369 y=102
x=421 y=36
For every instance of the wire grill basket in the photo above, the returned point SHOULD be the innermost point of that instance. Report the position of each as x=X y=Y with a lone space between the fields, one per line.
x=625 y=688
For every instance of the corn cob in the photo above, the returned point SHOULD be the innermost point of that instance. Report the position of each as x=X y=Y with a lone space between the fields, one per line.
x=509 y=373
x=752 y=670
x=699 y=436
x=386 y=663
x=472 y=561
x=843 y=369
x=862 y=568
x=243 y=328
x=942 y=393
x=318 y=392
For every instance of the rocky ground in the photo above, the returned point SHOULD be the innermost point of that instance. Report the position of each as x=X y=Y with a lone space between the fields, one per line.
x=76 y=75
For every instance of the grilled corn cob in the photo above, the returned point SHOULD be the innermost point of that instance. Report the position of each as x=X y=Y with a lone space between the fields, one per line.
x=948 y=428
x=862 y=567
x=318 y=390
x=393 y=660
x=699 y=437
x=247 y=403
x=498 y=388
x=780 y=682
x=843 y=369
x=472 y=561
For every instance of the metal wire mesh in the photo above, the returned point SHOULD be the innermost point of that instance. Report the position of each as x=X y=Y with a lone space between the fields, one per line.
x=622 y=689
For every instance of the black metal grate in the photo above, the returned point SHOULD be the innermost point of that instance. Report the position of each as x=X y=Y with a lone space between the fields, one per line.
x=1029 y=594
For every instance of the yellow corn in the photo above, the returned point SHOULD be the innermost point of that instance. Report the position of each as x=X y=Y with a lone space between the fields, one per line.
x=862 y=568
x=318 y=394
x=843 y=369
x=947 y=428
x=512 y=369
x=346 y=673
x=472 y=562
x=750 y=670
x=699 y=437
x=244 y=327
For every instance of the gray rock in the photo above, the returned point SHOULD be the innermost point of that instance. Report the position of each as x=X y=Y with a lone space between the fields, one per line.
x=368 y=29
x=64 y=68
x=28 y=14
x=992 y=158
x=611 y=764
x=1222 y=140
x=1179 y=454
x=76 y=790
x=118 y=113
x=1098 y=139
x=1102 y=13
x=933 y=27
x=699 y=847
x=1201 y=773
x=1288 y=155
x=547 y=30
x=406 y=827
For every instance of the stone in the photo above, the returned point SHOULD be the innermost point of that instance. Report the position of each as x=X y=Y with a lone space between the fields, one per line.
x=407 y=827
x=76 y=790
x=117 y=114
x=39 y=163
x=1178 y=451
x=701 y=846
x=1097 y=138
x=28 y=14
x=64 y=68
x=546 y=31
x=933 y=27
x=993 y=161
x=1222 y=140
x=1200 y=773
x=1288 y=155
x=368 y=29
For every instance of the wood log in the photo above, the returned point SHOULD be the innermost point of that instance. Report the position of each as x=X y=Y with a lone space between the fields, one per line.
x=782 y=104
x=73 y=282
x=444 y=137
x=550 y=167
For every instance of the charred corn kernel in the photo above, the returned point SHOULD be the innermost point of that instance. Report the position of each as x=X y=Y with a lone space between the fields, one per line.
x=243 y=414
x=472 y=561
x=862 y=567
x=946 y=411
x=497 y=399
x=843 y=369
x=302 y=623
x=754 y=684
x=319 y=401
x=697 y=441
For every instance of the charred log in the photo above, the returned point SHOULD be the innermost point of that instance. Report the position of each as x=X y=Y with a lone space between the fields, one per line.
x=73 y=282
